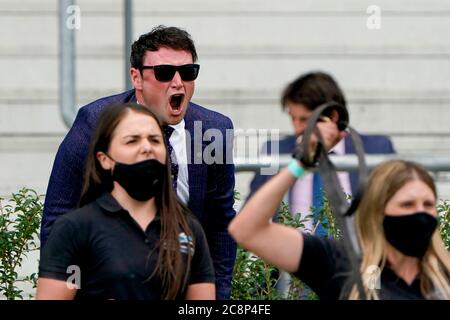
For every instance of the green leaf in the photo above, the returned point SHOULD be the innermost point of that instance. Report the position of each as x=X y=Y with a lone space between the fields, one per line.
x=19 y=224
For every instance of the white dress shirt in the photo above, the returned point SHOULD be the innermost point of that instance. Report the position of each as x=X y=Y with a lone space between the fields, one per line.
x=178 y=142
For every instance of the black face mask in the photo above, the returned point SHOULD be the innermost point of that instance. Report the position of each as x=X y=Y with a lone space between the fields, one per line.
x=410 y=234
x=141 y=180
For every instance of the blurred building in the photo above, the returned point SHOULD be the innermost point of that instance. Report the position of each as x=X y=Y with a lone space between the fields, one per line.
x=396 y=77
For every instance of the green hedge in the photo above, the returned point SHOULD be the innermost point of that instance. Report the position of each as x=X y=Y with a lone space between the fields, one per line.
x=20 y=219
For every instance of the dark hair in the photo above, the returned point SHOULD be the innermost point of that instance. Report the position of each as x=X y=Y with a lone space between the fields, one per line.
x=312 y=90
x=161 y=36
x=173 y=214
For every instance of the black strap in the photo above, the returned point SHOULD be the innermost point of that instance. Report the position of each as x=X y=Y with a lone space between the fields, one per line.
x=342 y=210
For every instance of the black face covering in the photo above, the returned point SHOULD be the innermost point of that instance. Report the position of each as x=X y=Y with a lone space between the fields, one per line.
x=141 y=180
x=410 y=234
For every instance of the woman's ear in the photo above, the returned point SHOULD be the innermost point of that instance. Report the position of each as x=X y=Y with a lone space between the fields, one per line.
x=105 y=161
x=136 y=78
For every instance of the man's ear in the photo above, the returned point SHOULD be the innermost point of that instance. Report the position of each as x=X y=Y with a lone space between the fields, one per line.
x=136 y=78
x=105 y=161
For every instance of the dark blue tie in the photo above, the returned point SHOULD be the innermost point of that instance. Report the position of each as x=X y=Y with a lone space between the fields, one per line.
x=317 y=203
x=173 y=159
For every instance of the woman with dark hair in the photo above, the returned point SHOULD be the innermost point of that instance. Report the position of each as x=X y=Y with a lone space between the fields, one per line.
x=131 y=238
x=403 y=255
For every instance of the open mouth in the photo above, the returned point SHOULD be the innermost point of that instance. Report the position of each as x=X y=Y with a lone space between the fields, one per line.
x=176 y=101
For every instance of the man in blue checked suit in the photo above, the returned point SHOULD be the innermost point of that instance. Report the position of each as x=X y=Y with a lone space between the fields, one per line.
x=300 y=99
x=163 y=73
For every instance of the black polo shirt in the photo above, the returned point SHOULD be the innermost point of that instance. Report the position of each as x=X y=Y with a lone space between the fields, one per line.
x=114 y=255
x=325 y=268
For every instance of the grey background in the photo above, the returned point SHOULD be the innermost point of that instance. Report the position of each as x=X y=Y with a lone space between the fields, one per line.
x=396 y=79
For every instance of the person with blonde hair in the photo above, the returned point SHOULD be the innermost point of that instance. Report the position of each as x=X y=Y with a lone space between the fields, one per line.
x=397 y=228
x=403 y=255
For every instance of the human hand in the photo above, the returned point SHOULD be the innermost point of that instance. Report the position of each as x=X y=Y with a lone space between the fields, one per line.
x=329 y=132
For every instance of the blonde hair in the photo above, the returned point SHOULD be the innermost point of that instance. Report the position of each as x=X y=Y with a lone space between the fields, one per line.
x=385 y=180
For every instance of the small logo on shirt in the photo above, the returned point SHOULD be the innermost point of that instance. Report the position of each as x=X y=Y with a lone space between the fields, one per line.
x=371 y=277
x=186 y=243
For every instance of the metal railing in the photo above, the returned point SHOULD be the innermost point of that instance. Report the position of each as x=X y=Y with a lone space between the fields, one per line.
x=67 y=65
x=128 y=27
x=434 y=163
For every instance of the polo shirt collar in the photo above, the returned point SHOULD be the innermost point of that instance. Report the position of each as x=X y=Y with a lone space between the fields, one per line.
x=107 y=202
x=388 y=275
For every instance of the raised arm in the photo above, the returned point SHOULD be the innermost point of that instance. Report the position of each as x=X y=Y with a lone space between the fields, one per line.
x=254 y=230
x=253 y=227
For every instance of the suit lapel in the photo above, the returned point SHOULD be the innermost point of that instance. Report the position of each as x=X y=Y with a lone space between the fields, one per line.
x=133 y=97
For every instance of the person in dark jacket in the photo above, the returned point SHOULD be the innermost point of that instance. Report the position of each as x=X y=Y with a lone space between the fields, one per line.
x=163 y=72
x=131 y=239
x=299 y=99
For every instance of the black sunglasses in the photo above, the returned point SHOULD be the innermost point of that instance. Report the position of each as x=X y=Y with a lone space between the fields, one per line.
x=166 y=72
